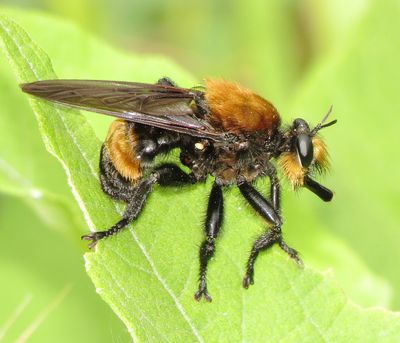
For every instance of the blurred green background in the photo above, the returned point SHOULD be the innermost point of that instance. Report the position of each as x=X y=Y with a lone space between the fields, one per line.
x=302 y=55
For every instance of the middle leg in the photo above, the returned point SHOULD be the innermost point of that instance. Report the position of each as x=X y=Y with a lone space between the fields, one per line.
x=213 y=224
x=165 y=175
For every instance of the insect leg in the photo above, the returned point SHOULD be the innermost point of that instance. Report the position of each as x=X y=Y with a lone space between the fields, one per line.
x=260 y=204
x=169 y=174
x=267 y=239
x=165 y=175
x=132 y=210
x=275 y=196
x=166 y=81
x=200 y=102
x=213 y=224
x=275 y=192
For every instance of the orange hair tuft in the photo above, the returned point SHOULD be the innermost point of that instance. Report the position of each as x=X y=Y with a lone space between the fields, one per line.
x=321 y=160
x=292 y=169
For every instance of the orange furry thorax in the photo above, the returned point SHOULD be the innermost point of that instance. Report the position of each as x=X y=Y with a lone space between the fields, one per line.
x=239 y=110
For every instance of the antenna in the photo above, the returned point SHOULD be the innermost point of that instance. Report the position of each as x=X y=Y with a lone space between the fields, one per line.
x=321 y=124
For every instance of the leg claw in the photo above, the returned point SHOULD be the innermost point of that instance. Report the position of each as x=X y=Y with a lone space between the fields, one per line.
x=292 y=253
x=248 y=280
x=202 y=292
x=94 y=237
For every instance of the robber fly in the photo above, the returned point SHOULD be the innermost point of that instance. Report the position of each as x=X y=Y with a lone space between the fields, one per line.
x=222 y=130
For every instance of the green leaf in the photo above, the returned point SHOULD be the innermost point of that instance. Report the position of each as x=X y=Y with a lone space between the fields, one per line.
x=36 y=275
x=148 y=275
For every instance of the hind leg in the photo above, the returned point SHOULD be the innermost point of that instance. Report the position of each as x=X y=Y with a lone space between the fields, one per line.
x=164 y=175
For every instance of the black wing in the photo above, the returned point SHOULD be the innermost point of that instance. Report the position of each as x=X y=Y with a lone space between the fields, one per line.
x=166 y=107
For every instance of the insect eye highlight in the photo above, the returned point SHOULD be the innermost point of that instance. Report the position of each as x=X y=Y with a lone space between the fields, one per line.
x=304 y=148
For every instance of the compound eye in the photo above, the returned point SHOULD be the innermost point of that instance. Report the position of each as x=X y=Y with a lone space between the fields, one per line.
x=300 y=124
x=304 y=149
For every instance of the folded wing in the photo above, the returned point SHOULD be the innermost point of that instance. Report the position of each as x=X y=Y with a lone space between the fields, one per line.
x=166 y=107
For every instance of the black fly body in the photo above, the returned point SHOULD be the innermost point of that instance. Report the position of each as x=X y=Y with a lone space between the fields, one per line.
x=222 y=130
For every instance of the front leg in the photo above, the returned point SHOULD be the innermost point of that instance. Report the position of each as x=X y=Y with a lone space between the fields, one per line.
x=275 y=192
x=275 y=196
x=213 y=224
x=269 y=238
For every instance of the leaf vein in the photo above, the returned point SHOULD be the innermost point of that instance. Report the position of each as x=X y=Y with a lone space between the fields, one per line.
x=111 y=288
x=166 y=287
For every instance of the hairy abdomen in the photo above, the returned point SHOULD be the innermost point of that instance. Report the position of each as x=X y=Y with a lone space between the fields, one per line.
x=121 y=149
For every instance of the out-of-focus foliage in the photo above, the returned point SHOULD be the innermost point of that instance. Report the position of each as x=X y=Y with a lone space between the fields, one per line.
x=44 y=288
x=303 y=56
